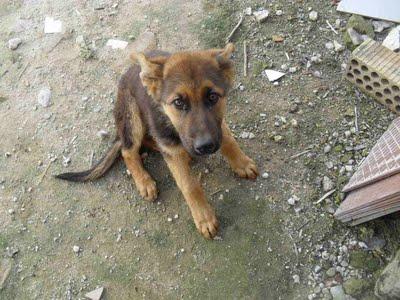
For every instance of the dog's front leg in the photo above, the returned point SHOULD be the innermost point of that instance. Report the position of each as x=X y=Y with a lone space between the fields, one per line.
x=202 y=212
x=240 y=163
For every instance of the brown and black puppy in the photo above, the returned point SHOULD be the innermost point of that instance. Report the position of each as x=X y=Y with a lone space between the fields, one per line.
x=175 y=104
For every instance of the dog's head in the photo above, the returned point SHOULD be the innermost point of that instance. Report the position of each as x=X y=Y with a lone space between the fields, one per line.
x=191 y=87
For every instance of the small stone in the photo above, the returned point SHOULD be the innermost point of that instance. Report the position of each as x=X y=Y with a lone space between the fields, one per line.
x=329 y=45
x=76 y=249
x=221 y=197
x=248 y=11
x=313 y=15
x=325 y=255
x=327 y=149
x=293 y=200
x=380 y=26
x=44 y=97
x=261 y=15
x=338 y=47
x=329 y=165
x=103 y=133
x=337 y=293
x=278 y=138
x=296 y=278
x=169 y=219
x=331 y=272
x=95 y=294
x=316 y=59
x=80 y=41
x=317 y=74
x=14 y=43
x=176 y=216
x=244 y=135
x=349 y=168
x=317 y=269
x=292 y=70
x=279 y=12
x=355 y=37
x=11 y=211
x=294 y=123
x=327 y=184
x=66 y=161
x=251 y=135
x=265 y=175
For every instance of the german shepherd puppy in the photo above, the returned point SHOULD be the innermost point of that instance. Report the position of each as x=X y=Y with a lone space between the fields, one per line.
x=175 y=104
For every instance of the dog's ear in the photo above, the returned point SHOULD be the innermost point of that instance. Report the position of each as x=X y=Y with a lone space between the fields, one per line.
x=151 y=73
x=223 y=57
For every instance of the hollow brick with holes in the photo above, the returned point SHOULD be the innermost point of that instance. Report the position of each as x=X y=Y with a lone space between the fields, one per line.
x=376 y=70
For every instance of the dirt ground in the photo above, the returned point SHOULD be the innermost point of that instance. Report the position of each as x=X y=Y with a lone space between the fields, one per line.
x=268 y=249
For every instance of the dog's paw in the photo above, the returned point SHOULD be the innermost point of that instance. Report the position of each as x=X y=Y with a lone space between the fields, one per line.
x=207 y=223
x=246 y=168
x=147 y=188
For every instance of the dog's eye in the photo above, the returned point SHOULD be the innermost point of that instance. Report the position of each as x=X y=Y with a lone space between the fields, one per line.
x=180 y=104
x=213 y=98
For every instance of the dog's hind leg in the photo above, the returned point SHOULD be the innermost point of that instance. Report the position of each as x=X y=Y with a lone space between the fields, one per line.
x=131 y=131
x=240 y=163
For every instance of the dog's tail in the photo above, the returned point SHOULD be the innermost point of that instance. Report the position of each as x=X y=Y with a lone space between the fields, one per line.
x=97 y=170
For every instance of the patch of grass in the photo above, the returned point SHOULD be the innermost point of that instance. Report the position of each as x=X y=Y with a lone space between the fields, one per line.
x=215 y=27
x=159 y=239
x=3 y=242
x=363 y=260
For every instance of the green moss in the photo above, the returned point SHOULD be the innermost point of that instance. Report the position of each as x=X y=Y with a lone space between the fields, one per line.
x=363 y=260
x=338 y=148
x=356 y=287
x=260 y=66
x=158 y=238
x=3 y=242
x=360 y=25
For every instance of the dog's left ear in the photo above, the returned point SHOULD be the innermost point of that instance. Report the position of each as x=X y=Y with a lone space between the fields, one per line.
x=223 y=57
x=151 y=73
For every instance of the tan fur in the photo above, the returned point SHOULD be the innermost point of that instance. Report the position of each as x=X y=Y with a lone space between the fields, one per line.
x=133 y=161
x=240 y=163
x=203 y=214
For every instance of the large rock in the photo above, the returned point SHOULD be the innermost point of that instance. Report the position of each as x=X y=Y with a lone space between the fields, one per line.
x=388 y=284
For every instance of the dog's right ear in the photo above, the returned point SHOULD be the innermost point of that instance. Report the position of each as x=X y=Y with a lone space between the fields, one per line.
x=151 y=73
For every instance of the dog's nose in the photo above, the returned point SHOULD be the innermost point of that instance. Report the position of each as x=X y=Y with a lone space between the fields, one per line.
x=204 y=145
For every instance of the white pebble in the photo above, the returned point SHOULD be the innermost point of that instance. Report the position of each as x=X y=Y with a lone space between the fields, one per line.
x=14 y=43
x=44 y=97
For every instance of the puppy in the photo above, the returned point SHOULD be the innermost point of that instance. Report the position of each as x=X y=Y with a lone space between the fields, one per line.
x=175 y=104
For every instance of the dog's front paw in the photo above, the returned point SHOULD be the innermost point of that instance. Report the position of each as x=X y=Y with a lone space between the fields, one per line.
x=206 y=223
x=147 y=188
x=245 y=168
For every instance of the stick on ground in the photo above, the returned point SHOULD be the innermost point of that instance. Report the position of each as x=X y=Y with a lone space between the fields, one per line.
x=228 y=39
x=244 y=59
